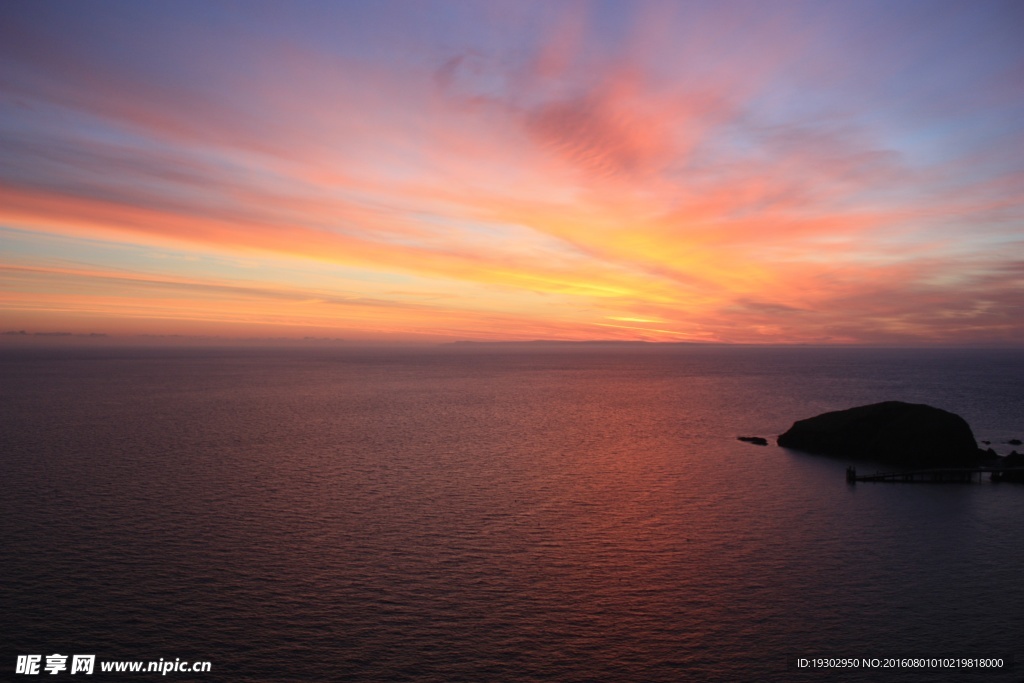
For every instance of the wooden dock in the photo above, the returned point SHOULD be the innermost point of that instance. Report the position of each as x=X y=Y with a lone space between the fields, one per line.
x=943 y=475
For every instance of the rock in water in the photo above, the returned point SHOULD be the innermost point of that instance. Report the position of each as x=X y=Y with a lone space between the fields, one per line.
x=895 y=432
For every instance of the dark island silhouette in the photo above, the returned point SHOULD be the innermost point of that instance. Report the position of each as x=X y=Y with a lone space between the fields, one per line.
x=924 y=443
x=893 y=432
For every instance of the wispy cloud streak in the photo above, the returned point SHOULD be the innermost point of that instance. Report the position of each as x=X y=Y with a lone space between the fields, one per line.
x=741 y=172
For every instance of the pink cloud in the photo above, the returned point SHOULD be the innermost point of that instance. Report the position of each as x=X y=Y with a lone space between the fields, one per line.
x=677 y=173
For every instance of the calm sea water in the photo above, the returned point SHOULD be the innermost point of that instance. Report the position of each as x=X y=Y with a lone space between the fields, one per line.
x=494 y=515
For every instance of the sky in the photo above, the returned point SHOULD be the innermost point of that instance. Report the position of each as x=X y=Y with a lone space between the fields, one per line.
x=426 y=171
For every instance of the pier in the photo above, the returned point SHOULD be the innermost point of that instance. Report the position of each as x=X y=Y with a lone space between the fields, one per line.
x=944 y=475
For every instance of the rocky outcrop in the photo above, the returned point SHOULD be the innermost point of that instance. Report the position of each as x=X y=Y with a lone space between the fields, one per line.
x=1014 y=463
x=902 y=434
x=756 y=440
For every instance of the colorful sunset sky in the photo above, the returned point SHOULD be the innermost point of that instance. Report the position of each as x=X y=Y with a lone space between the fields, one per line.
x=718 y=171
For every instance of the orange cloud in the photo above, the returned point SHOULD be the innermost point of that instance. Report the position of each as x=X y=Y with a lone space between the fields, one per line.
x=688 y=176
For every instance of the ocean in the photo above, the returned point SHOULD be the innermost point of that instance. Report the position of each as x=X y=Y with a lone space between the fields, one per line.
x=496 y=513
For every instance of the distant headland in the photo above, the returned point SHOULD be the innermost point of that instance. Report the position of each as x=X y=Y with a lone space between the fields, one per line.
x=583 y=342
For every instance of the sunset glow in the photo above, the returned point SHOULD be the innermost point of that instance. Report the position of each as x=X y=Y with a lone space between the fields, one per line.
x=429 y=171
